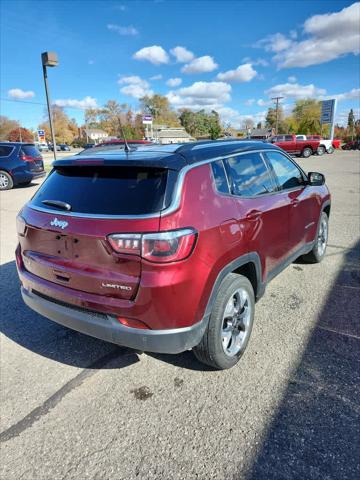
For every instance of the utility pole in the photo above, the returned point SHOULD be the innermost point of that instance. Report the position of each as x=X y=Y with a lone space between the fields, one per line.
x=277 y=112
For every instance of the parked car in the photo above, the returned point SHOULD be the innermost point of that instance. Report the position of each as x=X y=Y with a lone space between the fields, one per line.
x=20 y=163
x=353 y=145
x=43 y=147
x=325 y=145
x=64 y=147
x=304 y=148
x=89 y=145
x=336 y=143
x=51 y=147
x=168 y=250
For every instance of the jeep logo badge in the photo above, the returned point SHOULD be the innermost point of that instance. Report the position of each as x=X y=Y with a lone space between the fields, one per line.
x=59 y=223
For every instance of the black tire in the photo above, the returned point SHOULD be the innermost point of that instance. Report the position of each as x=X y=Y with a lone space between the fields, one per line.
x=210 y=350
x=319 y=249
x=6 y=182
x=321 y=150
x=330 y=150
x=307 y=152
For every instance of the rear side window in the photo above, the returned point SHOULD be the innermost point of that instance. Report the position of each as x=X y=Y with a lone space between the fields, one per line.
x=219 y=173
x=249 y=175
x=5 y=151
x=288 y=138
x=106 y=190
x=288 y=175
x=30 y=151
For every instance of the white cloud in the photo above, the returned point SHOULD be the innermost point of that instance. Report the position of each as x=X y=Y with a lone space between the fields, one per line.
x=250 y=101
x=156 y=77
x=353 y=94
x=295 y=91
x=200 y=65
x=264 y=103
x=154 y=54
x=274 y=43
x=135 y=86
x=129 y=30
x=292 y=79
x=136 y=91
x=207 y=95
x=174 y=82
x=243 y=73
x=332 y=35
x=86 y=102
x=182 y=54
x=19 y=94
x=133 y=80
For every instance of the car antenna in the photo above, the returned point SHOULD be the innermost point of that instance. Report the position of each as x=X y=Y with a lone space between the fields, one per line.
x=126 y=148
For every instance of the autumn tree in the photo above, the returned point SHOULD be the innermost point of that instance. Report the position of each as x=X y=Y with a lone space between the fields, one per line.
x=351 y=123
x=6 y=126
x=201 y=123
x=20 y=135
x=307 y=114
x=65 y=128
x=159 y=107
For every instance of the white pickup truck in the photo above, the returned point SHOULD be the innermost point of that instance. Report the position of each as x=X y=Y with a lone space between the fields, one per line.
x=326 y=146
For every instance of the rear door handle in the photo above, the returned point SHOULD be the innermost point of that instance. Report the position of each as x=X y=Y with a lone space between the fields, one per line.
x=253 y=215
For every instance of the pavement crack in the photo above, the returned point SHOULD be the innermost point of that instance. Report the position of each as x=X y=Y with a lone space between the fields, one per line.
x=52 y=401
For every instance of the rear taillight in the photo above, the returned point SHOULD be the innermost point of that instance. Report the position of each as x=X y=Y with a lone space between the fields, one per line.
x=20 y=226
x=161 y=247
x=29 y=158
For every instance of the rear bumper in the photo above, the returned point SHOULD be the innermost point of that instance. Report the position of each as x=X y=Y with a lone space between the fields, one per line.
x=107 y=328
x=26 y=176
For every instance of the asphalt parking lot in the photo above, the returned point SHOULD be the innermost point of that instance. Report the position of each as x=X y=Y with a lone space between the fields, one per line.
x=75 y=407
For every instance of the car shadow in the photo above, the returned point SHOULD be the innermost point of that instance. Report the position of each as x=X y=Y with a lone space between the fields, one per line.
x=49 y=339
x=314 y=433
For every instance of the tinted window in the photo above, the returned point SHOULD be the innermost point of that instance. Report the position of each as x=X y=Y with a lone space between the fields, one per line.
x=288 y=138
x=5 y=150
x=220 y=177
x=280 y=138
x=249 y=175
x=106 y=190
x=30 y=150
x=288 y=175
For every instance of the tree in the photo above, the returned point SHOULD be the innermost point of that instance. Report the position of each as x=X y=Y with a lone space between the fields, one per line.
x=307 y=114
x=351 y=123
x=20 y=135
x=65 y=128
x=6 y=126
x=259 y=126
x=159 y=107
x=201 y=124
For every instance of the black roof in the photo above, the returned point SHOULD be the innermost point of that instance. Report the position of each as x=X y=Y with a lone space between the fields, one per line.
x=173 y=156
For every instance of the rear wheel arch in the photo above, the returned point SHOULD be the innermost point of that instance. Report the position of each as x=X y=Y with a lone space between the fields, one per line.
x=326 y=208
x=249 y=266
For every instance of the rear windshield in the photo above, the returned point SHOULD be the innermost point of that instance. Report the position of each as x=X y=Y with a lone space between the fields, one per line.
x=106 y=190
x=30 y=150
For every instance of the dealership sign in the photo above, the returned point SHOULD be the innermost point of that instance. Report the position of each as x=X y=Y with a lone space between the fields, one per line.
x=147 y=119
x=327 y=111
x=41 y=136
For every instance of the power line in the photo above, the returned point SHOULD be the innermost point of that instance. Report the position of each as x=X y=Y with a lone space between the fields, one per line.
x=38 y=103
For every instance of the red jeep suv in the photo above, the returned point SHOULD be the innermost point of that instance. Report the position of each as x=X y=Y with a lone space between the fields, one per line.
x=167 y=248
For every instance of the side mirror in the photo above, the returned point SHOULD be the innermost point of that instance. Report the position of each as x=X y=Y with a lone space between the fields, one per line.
x=316 y=179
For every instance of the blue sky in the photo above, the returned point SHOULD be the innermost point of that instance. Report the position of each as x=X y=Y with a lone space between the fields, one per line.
x=234 y=55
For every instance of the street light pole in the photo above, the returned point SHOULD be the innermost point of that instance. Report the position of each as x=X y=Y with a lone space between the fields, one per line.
x=49 y=59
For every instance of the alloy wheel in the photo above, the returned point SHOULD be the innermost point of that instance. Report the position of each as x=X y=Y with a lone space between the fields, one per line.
x=236 y=322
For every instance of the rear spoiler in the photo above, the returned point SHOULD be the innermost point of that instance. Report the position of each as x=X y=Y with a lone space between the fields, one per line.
x=151 y=160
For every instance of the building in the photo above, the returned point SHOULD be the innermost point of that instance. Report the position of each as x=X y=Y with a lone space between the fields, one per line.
x=166 y=135
x=262 y=133
x=96 y=135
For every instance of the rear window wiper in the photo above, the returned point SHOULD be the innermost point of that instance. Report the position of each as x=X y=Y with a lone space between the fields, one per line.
x=58 y=204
